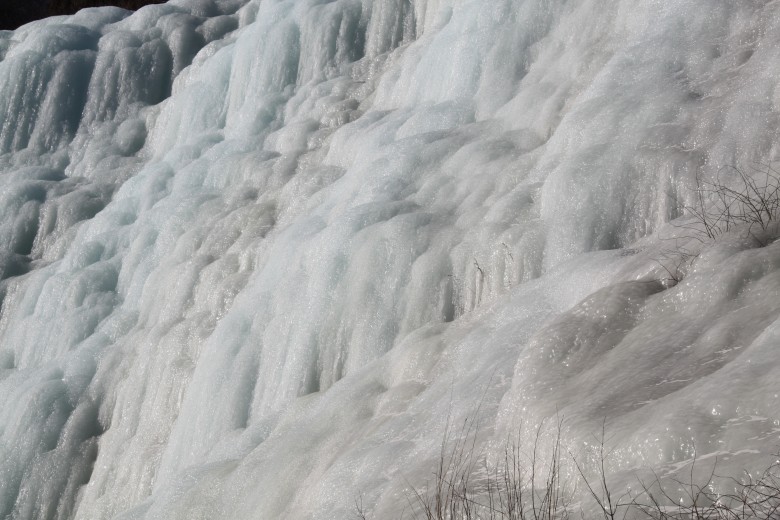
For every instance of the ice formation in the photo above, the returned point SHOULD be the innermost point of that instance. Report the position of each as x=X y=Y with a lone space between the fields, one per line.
x=256 y=254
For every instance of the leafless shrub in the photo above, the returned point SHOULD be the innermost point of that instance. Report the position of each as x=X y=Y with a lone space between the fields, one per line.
x=761 y=496
x=360 y=510
x=752 y=498
x=675 y=262
x=520 y=487
x=735 y=199
x=609 y=505
x=515 y=488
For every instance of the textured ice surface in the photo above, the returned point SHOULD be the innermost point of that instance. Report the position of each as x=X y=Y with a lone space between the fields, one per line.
x=255 y=253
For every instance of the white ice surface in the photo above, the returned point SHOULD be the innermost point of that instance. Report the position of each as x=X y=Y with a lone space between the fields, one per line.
x=254 y=254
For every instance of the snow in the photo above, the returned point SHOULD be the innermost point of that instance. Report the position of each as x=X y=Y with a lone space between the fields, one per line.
x=255 y=255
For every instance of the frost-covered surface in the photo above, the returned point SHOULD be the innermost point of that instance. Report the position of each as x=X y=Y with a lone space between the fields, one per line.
x=254 y=254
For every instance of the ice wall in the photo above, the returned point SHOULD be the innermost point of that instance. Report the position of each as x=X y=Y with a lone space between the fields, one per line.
x=256 y=253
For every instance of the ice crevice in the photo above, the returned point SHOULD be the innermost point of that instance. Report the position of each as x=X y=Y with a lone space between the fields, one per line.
x=255 y=254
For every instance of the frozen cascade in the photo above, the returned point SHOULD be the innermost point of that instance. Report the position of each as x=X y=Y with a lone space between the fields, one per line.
x=254 y=254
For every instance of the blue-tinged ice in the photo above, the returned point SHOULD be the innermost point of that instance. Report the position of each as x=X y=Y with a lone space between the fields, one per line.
x=255 y=254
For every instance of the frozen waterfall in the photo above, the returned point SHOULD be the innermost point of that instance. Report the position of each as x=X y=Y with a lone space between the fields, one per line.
x=255 y=254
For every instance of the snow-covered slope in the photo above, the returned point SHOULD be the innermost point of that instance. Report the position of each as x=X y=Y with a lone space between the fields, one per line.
x=256 y=254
